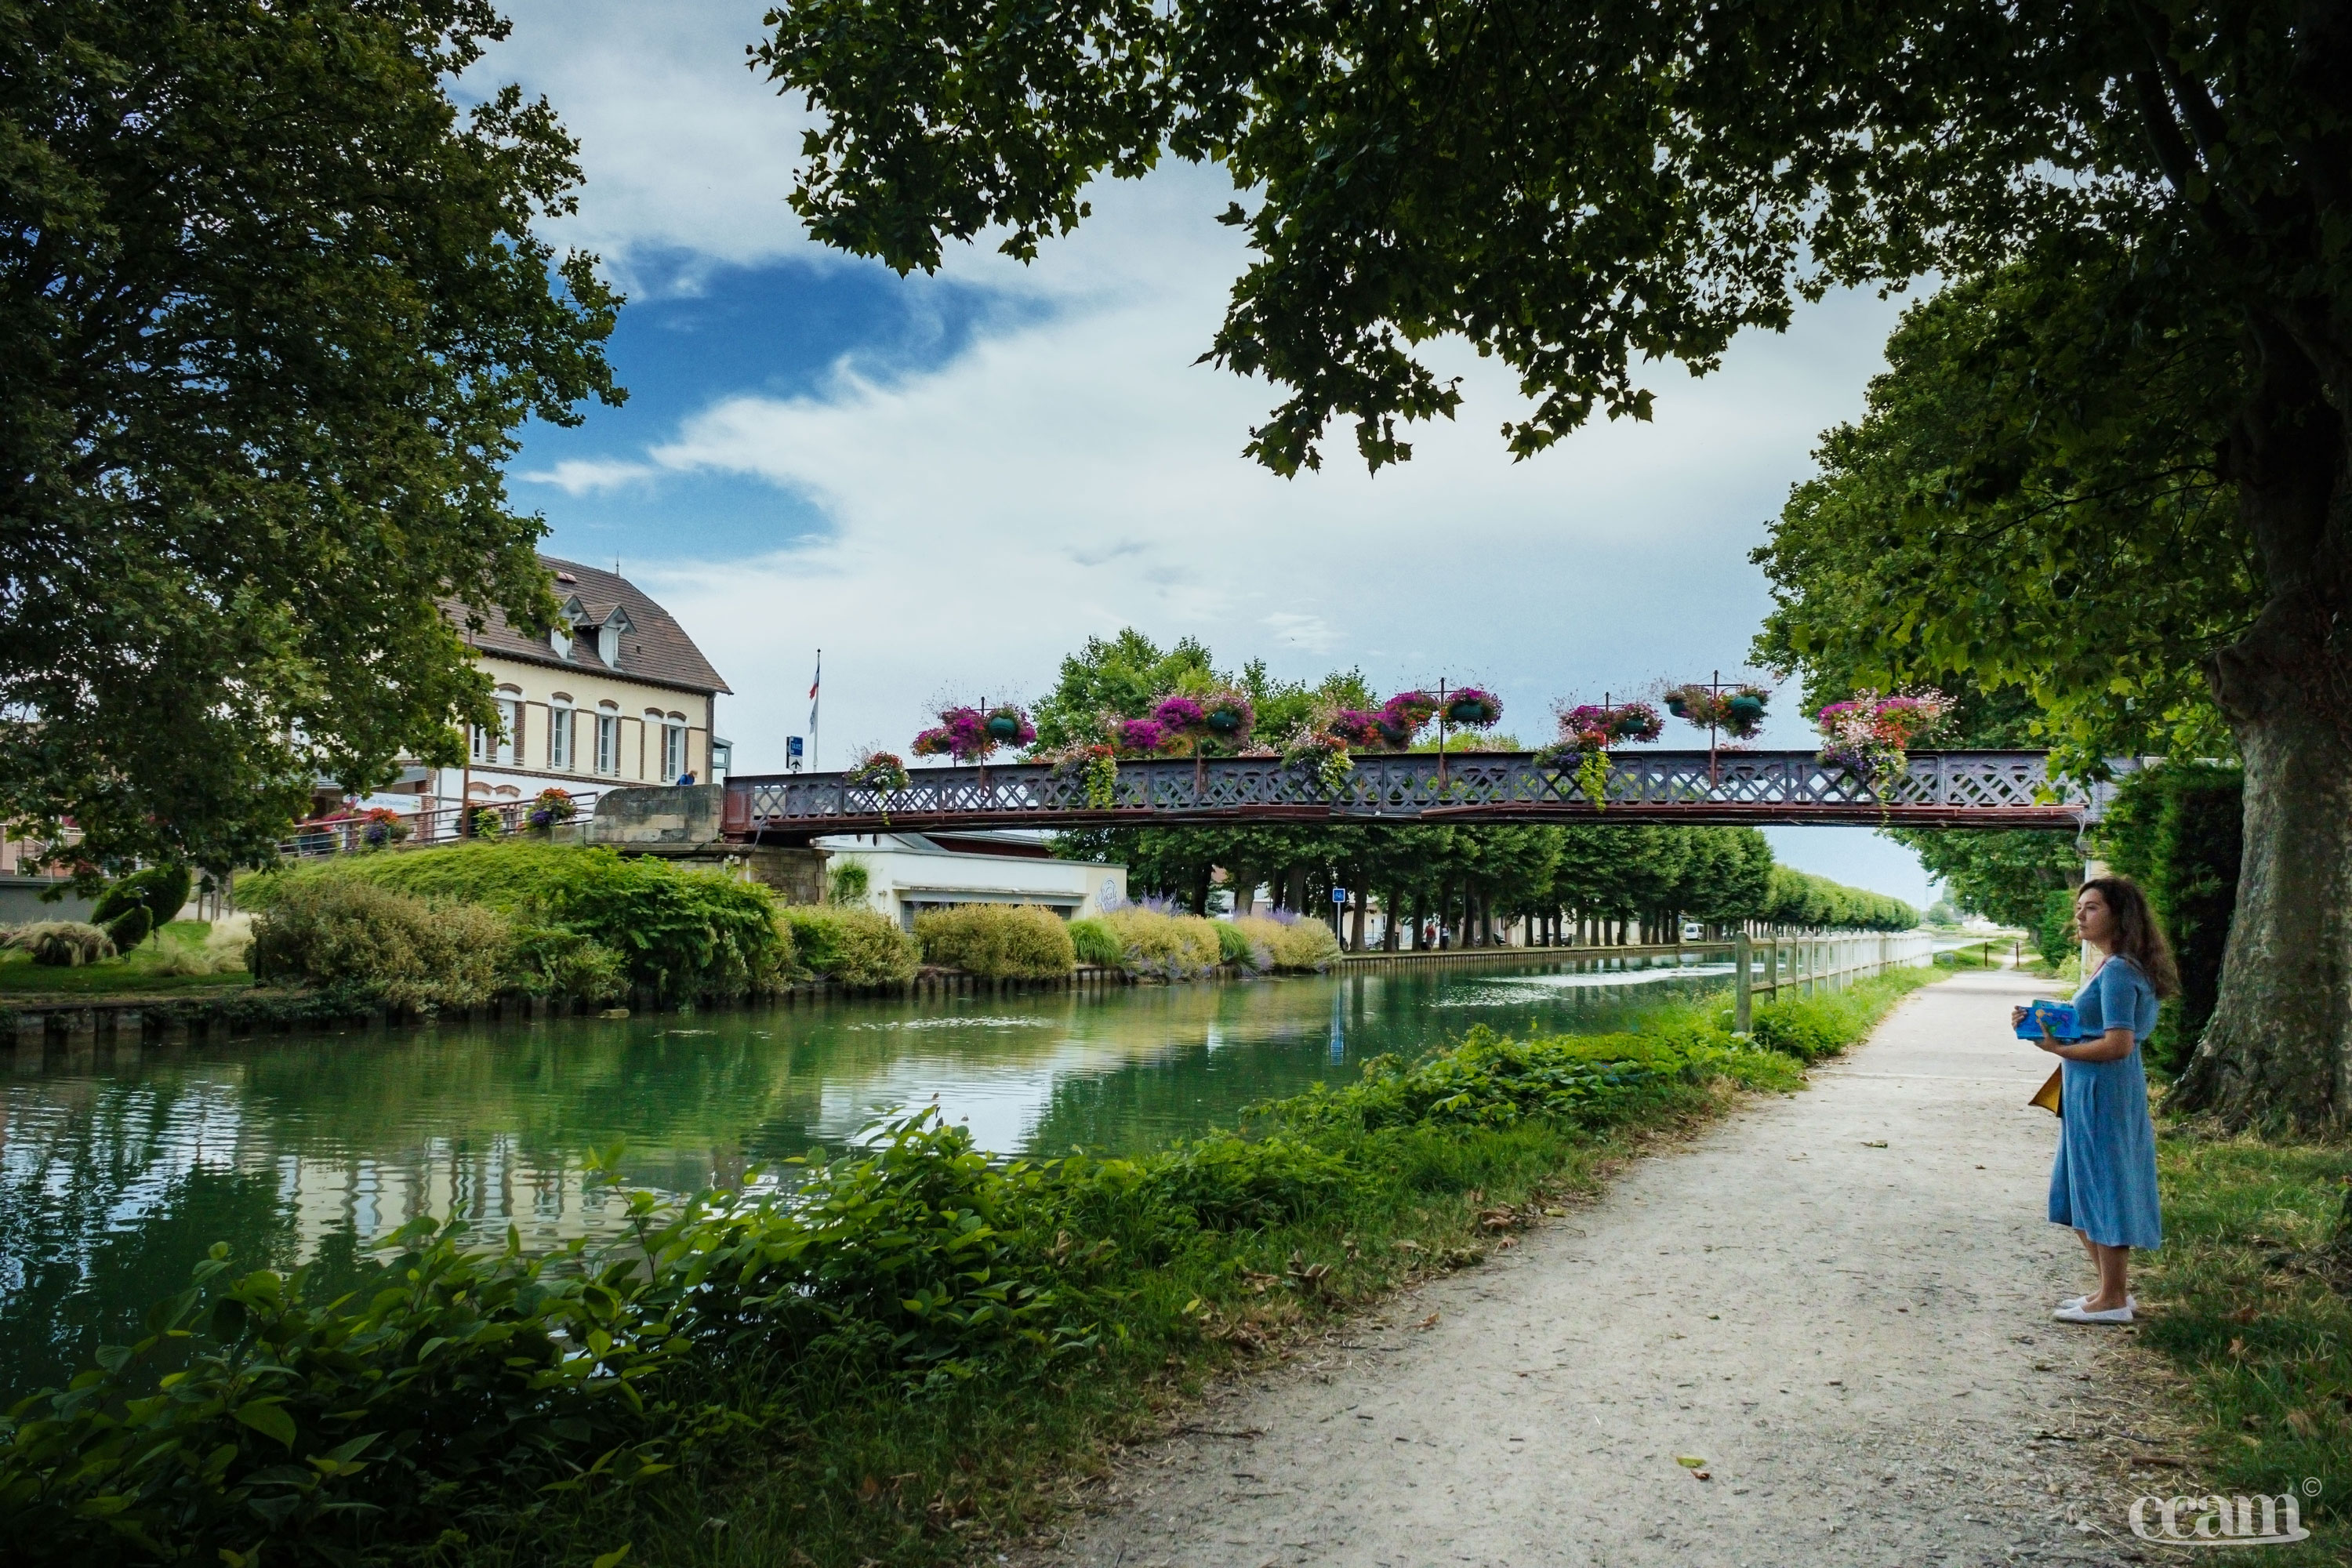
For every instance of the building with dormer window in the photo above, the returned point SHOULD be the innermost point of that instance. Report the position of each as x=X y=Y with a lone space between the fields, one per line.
x=616 y=694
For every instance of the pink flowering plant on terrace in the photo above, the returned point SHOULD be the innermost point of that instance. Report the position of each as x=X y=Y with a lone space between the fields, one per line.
x=1873 y=734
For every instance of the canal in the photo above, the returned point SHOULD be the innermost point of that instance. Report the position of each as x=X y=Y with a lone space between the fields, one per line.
x=118 y=1167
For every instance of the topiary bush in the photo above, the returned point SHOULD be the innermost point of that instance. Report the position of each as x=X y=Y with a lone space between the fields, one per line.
x=62 y=944
x=998 y=942
x=1095 y=942
x=1162 y=944
x=342 y=933
x=855 y=947
x=134 y=907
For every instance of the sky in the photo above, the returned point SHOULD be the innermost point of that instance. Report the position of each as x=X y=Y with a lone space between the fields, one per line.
x=949 y=482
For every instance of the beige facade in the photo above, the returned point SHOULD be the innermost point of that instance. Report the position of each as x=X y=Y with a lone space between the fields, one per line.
x=583 y=731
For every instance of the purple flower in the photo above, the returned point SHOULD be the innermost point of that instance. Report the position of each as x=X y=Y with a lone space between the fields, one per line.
x=1178 y=714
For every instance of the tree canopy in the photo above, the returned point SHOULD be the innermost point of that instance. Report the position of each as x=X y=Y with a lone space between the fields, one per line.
x=271 y=314
x=2143 y=202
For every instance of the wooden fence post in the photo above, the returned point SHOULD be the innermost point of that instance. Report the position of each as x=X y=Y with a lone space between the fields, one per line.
x=1743 y=994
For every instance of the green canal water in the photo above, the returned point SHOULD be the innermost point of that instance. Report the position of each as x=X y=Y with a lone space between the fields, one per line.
x=118 y=1168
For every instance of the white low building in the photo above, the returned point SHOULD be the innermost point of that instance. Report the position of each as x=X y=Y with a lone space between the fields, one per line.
x=907 y=873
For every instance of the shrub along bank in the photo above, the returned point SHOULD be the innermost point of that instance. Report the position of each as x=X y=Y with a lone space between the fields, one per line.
x=880 y=1367
x=554 y=918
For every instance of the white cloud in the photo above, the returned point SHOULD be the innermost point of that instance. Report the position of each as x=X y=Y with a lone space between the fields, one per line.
x=1074 y=476
x=587 y=476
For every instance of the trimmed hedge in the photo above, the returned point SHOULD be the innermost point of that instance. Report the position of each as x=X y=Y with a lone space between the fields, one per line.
x=855 y=947
x=1162 y=945
x=2178 y=830
x=1302 y=944
x=342 y=934
x=998 y=942
x=680 y=932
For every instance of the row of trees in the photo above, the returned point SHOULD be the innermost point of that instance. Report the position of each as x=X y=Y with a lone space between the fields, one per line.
x=1571 y=883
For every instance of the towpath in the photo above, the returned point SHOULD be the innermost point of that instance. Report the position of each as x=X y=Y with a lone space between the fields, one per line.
x=1838 y=1300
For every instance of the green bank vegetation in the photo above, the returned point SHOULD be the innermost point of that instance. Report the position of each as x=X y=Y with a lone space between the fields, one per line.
x=2251 y=1298
x=887 y=1363
x=193 y=957
x=453 y=926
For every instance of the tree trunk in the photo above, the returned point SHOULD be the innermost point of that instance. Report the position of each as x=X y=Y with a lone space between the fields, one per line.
x=2278 y=1049
x=1356 y=919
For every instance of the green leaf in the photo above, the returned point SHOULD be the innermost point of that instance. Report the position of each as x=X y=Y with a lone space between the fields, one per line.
x=268 y=1418
x=613 y=1559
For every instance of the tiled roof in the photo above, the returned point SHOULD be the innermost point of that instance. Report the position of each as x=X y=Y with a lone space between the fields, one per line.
x=654 y=648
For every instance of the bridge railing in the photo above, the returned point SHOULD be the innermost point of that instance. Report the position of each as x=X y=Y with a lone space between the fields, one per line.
x=1936 y=788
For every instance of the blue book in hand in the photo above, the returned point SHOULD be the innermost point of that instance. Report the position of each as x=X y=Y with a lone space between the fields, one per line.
x=2054 y=1020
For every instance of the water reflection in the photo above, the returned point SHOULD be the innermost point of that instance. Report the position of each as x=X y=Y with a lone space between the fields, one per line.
x=119 y=1168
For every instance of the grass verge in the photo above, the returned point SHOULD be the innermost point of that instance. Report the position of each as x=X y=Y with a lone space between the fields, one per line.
x=2248 y=1299
x=144 y=971
x=910 y=1356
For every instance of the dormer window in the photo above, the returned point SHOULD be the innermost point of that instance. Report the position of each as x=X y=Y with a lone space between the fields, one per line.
x=567 y=622
x=608 y=636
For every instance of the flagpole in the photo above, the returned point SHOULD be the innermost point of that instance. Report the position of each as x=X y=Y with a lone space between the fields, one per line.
x=816 y=761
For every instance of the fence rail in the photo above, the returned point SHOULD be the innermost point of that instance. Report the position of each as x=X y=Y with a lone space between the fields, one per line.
x=1942 y=789
x=436 y=824
x=1766 y=964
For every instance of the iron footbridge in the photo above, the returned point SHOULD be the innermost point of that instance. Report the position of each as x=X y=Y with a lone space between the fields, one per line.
x=1935 y=789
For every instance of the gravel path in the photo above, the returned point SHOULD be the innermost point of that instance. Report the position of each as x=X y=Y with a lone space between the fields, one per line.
x=1839 y=1300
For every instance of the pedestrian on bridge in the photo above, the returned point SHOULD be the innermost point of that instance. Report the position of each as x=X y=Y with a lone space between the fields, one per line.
x=2102 y=1181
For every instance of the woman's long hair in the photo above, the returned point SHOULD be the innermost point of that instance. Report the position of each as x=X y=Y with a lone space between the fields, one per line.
x=2138 y=937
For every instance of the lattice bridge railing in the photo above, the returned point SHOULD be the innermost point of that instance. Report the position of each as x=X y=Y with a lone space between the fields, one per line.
x=1937 y=789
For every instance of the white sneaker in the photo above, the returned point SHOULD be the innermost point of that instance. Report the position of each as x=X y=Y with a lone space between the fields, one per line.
x=2078 y=1314
x=2076 y=1301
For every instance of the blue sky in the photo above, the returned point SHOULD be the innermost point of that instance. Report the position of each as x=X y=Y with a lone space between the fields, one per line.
x=947 y=482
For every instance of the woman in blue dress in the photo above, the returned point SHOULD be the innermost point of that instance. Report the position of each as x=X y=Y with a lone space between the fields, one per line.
x=2102 y=1182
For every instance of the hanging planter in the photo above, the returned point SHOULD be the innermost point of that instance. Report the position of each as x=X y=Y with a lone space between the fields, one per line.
x=1737 y=711
x=1471 y=709
x=1582 y=749
x=1228 y=716
x=1008 y=725
x=1873 y=735
x=880 y=770
x=1139 y=737
x=1358 y=729
x=1318 y=749
x=1096 y=766
x=961 y=734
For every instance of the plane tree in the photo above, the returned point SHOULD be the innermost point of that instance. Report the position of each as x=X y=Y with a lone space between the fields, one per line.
x=1581 y=188
x=272 y=313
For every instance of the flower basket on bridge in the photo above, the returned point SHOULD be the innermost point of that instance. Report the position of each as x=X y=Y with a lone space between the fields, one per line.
x=1736 y=710
x=962 y=734
x=1008 y=725
x=880 y=770
x=554 y=805
x=1139 y=737
x=1404 y=716
x=1872 y=735
x=1096 y=767
x=1316 y=749
x=1228 y=717
x=1471 y=709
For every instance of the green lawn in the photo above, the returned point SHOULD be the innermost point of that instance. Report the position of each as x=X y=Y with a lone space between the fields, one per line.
x=2248 y=1297
x=155 y=968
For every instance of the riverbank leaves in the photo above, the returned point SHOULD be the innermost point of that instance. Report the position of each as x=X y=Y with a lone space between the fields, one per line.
x=913 y=1309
